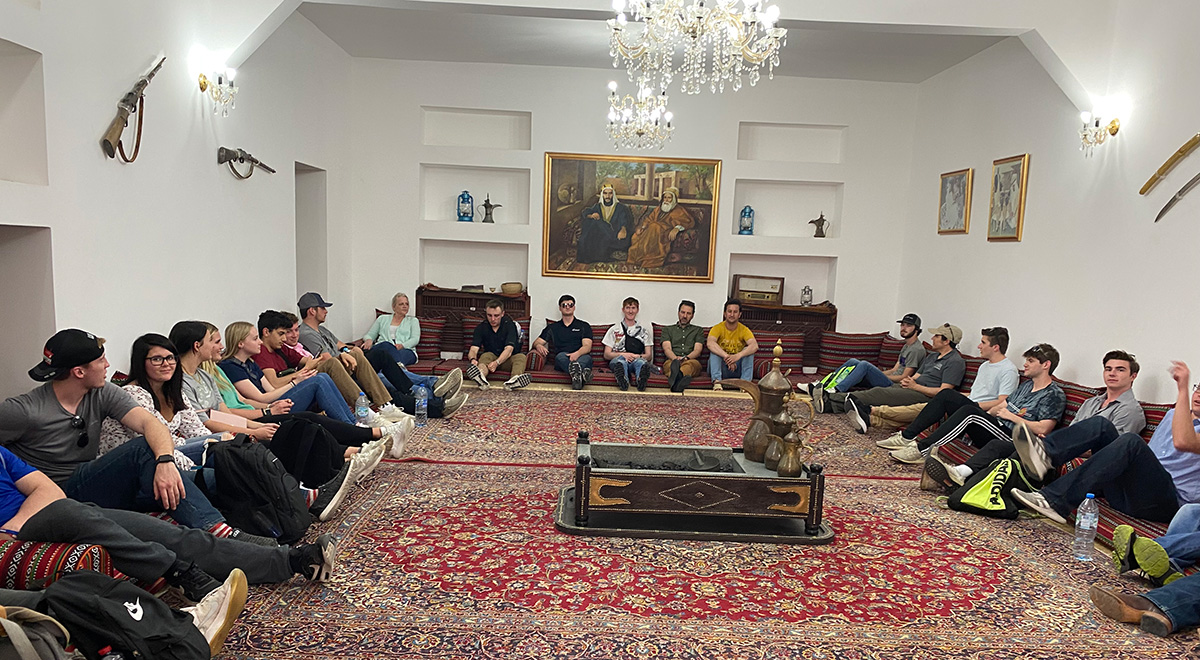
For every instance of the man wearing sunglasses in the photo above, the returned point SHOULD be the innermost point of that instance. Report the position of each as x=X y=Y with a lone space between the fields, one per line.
x=572 y=342
x=56 y=429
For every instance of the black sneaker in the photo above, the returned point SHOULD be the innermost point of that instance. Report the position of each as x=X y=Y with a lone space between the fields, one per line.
x=859 y=414
x=576 y=372
x=820 y=400
x=317 y=560
x=643 y=377
x=622 y=377
x=331 y=494
x=673 y=374
x=587 y=375
x=247 y=537
x=193 y=582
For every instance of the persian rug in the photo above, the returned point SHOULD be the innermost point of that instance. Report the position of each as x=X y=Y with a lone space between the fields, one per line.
x=463 y=561
x=532 y=427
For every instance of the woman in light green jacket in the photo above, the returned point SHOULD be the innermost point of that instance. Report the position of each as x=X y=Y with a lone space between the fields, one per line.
x=398 y=329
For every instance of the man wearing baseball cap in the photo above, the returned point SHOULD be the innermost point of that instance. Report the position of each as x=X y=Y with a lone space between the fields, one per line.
x=56 y=429
x=855 y=371
x=943 y=368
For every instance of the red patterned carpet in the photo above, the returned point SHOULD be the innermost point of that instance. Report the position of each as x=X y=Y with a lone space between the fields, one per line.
x=463 y=561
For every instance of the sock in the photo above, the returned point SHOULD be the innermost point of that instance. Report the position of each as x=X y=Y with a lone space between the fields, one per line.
x=963 y=471
x=221 y=530
x=310 y=496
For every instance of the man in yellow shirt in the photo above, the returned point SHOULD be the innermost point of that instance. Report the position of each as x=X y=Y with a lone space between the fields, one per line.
x=732 y=347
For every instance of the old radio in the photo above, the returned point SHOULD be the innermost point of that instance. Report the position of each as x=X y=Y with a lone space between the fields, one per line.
x=757 y=288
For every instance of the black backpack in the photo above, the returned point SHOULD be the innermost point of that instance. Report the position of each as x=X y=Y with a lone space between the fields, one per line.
x=254 y=492
x=308 y=451
x=989 y=491
x=100 y=611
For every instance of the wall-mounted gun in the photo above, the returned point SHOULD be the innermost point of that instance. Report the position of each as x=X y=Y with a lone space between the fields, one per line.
x=129 y=104
x=231 y=156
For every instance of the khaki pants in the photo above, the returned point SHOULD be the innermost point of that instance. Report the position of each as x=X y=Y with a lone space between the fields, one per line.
x=364 y=379
x=689 y=368
x=894 y=417
x=515 y=364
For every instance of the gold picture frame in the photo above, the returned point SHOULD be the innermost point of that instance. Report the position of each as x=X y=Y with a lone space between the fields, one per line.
x=638 y=241
x=954 y=202
x=1006 y=210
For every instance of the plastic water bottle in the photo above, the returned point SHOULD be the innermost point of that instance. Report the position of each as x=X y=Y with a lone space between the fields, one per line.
x=1086 y=519
x=422 y=396
x=362 y=409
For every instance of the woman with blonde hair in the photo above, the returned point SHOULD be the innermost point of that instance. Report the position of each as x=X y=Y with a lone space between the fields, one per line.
x=398 y=329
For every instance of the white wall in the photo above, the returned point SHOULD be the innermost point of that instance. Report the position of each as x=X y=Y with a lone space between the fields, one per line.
x=1093 y=272
x=568 y=108
x=172 y=236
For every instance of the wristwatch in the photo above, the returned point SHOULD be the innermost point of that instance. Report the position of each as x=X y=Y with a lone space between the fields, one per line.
x=165 y=458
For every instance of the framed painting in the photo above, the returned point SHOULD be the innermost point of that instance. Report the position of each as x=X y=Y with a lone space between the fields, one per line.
x=954 y=202
x=627 y=217
x=1006 y=213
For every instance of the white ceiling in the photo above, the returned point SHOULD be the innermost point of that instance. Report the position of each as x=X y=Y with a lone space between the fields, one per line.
x=449 y=34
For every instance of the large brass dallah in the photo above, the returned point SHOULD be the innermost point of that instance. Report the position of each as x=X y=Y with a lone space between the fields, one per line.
x=771 y=423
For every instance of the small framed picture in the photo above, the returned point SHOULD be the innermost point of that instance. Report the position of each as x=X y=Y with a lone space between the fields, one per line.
x=1006 y=214
x=954 y=202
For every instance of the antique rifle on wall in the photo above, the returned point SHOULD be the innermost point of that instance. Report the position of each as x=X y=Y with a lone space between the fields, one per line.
x=1166 y=168
x=231 y=156
x=129 y=104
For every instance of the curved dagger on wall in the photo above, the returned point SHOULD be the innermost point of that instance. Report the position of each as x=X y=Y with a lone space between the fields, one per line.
x=1179 y=155
x=1187 y=187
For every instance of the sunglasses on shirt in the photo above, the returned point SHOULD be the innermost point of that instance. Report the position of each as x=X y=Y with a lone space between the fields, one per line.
x=79 y=424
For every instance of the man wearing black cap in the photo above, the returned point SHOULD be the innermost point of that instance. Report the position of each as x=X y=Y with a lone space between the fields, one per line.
x=56 y=429
x=854 y=371
x=319 y=340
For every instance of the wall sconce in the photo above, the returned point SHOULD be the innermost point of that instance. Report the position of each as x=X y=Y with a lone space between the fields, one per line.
x=221 y=90
x=1095 y=132
x=231 y=156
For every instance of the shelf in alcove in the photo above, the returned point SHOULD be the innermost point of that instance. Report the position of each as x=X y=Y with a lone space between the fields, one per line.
x=441 y=184
x=475 y=232
x=788 y=246
x=783 y=208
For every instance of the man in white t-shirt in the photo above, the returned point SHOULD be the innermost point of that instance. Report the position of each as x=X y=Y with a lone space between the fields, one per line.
x=629 y=347
x=996 y=378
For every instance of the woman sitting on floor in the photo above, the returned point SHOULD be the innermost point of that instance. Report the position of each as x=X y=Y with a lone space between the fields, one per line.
x=156 y=384
x=398 y=330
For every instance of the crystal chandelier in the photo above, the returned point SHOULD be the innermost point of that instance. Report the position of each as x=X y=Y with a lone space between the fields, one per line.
x=1093 y=134
x=720 y=42
x=221 y=90
x=638 y=123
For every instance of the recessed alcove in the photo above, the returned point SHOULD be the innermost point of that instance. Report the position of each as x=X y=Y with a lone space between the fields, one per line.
x=22 y=115
x=27 y=297
x=797 y=143
x=819 y=272
x=784 y=208
x=453 y=264
x=442 y=184
x=473 y=127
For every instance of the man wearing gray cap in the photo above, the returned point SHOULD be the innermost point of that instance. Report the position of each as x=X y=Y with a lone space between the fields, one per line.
x=942 y=368
x=855 y=371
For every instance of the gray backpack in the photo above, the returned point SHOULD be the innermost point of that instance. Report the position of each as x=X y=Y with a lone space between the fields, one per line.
x=30 y=635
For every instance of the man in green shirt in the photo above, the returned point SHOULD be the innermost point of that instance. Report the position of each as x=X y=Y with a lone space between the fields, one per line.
x=681 y=344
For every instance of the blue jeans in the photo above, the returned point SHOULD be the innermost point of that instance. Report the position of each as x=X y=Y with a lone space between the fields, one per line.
x=1182 y=540
x=563 y=363
x=863 y=371
x=194 y=447
x=417 y=379
x=1180 y=601
x=1122 y=469
x=124 y=479
x=319 y=389
x=404 y=357
x=718 y=370
x=632 y=369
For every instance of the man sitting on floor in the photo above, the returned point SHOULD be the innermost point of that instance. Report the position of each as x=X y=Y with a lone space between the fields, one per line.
x=629 y=347
x=855 y=371
x=997 y=377
x=1038 y=403
x=572 y=341
x=731 y=347
x=1117 y=403
x=1161 y=611
x=1148 y=481
x=500 y=342
x=56 y=429
x=681 y=345
x=319 y=340
x=942 y=369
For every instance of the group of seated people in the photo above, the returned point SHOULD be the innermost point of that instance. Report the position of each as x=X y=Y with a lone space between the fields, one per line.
x=629 y=346
x=1006 y=416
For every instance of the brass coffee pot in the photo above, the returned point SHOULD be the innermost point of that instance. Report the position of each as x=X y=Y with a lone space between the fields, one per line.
x=770 y=417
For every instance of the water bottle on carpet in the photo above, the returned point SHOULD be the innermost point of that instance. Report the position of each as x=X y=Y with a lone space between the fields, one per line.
x=422 y=408
x=1086 y=520
x=362 y=409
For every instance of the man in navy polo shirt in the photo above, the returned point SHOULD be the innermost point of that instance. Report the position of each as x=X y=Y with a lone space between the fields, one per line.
x=572 y=342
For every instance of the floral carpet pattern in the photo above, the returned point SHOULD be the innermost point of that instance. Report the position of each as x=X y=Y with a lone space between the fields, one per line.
x=463 y=561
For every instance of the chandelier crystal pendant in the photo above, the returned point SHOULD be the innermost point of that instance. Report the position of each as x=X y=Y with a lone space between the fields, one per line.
x=1093 y=134
x=638 y=123
x=221 y=90
x=721 y=42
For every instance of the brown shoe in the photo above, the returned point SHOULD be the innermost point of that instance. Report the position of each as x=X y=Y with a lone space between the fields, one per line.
x=1128 y=608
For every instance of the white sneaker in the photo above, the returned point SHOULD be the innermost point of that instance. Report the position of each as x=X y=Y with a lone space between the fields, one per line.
x=476 y=375
x=1038 y=503
x=453 y=404
x=394 y=414
x=396 y=440
x=215 y=614
x=518 y=381
x=893 y=441
x=368 y=460
x=449 y=384
x=375 y=420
